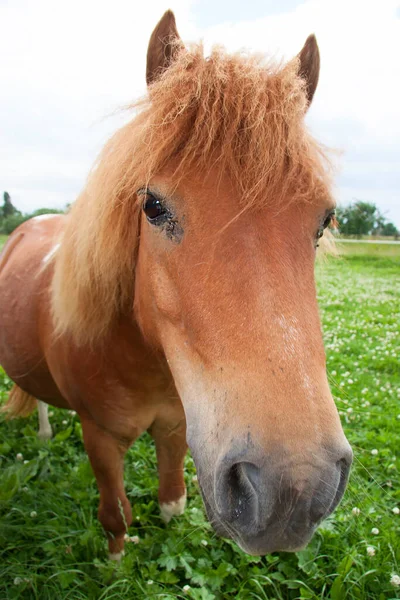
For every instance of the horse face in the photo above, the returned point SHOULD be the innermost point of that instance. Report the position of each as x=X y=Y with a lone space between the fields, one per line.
x=228 y=296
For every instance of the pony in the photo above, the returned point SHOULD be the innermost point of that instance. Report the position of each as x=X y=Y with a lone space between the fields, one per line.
x=178 y=297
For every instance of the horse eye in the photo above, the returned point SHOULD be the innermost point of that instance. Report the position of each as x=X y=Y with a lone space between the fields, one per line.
x=328 y=220
x=152 y=207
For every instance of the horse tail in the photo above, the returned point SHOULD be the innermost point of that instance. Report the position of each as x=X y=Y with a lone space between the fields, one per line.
x=19 y=403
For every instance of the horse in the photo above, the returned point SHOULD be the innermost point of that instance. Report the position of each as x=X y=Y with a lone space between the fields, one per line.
x=178 y=297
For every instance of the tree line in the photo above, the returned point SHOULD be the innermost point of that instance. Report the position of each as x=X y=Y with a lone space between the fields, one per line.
x=364 y=218
x=11 y=217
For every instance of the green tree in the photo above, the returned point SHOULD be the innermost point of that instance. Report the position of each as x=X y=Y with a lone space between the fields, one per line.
x=358 y=218
x=12 y=222
x=8 y=208
x=390 y=229
x=46 y=211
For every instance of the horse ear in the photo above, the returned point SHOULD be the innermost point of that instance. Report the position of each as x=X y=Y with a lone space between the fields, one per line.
x=309 y=66
x=162 y=46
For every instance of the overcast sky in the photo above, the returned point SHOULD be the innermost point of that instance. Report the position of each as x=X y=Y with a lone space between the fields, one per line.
x=67 y=66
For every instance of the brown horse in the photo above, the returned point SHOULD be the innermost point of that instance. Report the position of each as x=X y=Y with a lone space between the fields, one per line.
x=178 y=297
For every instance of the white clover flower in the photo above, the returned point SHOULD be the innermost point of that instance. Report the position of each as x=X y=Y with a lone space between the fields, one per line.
x=375 y=531
x=395 y=580
x=134 y=539
x=150 y=582
x=370 y=551
x=26 y=462
x=72 y=412
x=356 y=511
x=19 y=456
x=65 y=422
x=18 y=580
x=374 y=452
x=126 y=537
x=396 y=510
x=33 y=514
x=51 y=413
x=204 y=542
x=349 y=410
x=186 y=588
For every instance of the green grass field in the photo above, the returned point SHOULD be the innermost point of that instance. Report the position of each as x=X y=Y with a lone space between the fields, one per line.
x=52 y=546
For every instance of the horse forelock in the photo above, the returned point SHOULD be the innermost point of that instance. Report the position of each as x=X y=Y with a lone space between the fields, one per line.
x=237 y=113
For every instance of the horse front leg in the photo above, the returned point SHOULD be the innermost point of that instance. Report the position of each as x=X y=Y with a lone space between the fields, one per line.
x=106 y=455
x=170 y=439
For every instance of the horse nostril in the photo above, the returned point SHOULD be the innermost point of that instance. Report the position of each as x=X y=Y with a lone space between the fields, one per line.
x=239 y=489
x=244 y=474
x=344 y=469
x=347 y=458
x=330 y=491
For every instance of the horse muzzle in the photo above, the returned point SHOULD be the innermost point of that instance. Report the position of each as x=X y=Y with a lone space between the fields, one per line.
x=268 y=505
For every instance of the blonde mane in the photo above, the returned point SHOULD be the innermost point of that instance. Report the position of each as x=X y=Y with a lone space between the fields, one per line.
x=235 y=112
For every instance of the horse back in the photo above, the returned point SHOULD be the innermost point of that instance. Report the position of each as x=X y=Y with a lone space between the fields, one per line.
x=25 y=312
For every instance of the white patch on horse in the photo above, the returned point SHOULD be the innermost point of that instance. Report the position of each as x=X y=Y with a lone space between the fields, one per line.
x=116 y=555
x=291 y=334
x=45 y=432
x=51 y=252
x=173 y=509
x=45 y=217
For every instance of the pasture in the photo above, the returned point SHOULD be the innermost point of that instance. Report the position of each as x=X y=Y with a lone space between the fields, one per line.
x=52 y=545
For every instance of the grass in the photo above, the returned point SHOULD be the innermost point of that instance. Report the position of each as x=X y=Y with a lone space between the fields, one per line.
x=3 y=239
x=368 y=249
x=52 y=546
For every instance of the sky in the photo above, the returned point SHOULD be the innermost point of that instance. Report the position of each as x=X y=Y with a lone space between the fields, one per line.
x=69 y=66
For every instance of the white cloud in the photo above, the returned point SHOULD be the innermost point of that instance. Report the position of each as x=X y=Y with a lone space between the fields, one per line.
x=357 y=105
x=70 y=64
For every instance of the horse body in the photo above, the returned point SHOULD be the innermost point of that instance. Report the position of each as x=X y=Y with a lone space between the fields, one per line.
x=23 y=283
x=117 y=390
x=180 y=290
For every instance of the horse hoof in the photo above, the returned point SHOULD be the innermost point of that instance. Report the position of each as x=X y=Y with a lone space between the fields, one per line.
x=173 y=509
x=45 y=435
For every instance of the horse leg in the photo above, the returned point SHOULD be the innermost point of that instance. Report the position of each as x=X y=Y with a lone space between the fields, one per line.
x=171 y=449
x=106 y=455
x=45 y=432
